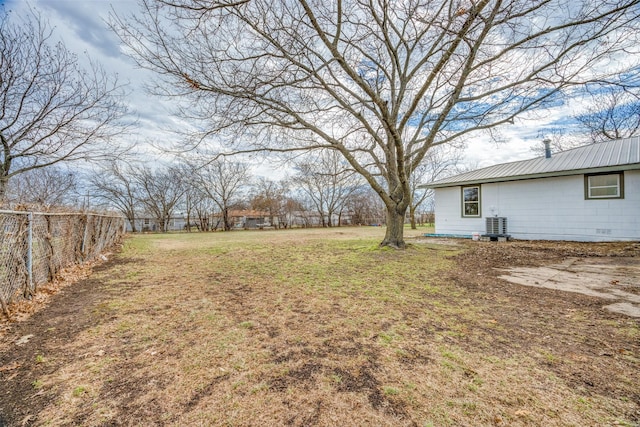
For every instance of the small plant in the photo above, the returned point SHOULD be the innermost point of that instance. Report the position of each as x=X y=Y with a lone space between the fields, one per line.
x=247 y=324
x=260 y=387
x=550 y=358
x=475 y=383
x=583 y=403
x=390 y=391
x=79 y=391
x=386 y=338
x=40 y=358
x=469 y=408
x=37 y=384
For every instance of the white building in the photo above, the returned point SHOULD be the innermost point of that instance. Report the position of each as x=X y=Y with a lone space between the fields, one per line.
x=590 y=193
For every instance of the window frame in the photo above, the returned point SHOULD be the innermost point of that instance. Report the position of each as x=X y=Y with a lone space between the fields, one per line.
x=588 y=187
x=464 y=203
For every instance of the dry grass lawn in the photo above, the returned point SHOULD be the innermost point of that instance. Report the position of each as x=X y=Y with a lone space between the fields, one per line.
x=321 y=327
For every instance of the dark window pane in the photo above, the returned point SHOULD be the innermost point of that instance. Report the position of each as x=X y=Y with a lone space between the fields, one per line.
x=471 y=209
x=471 y=194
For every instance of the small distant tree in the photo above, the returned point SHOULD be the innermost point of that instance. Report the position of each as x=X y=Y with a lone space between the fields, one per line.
x=204 y=209
x=291 y=207
x=160 y=191
x=327 y=181
x=366 y=207
x=116 y=186
x=223 y=182
x=45 y=187
x=51 y=109
x=270 y=196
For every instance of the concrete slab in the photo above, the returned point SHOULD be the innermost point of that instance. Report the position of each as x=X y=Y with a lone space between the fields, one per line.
x=612 y=278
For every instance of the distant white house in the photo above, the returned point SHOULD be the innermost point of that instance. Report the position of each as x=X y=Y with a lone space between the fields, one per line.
x=590 y=193
x=146 y=222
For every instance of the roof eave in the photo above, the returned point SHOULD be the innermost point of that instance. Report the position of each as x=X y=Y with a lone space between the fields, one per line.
x=631 y=166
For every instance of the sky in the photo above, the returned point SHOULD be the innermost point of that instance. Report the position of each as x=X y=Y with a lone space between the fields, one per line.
x=81 y=24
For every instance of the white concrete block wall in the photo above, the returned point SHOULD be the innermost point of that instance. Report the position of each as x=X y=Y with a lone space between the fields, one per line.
x=546 y=209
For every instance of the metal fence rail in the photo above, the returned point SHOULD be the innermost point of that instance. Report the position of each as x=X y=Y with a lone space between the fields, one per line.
x=34 y=247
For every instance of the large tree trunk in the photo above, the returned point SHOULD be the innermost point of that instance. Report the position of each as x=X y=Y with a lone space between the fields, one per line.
x=412 y=215
x=394 y=236
x=4 y=181
x=132 y=221
x=225 y=219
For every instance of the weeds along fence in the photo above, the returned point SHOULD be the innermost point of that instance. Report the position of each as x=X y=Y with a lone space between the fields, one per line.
x=35 y=246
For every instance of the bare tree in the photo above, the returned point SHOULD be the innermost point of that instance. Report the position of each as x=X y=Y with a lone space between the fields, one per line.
x=223 y=182
x=191 y=199
x=271 y=196
x=115 y=187
x=327 y=181
x=160 y=191
x=291 y=207
x=366 y=207
x=380 y=82
x=51 y=110
x=45 y=187
x=614 y=114
x=204 y=209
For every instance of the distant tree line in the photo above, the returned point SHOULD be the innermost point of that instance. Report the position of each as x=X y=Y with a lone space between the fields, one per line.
x=319 y=191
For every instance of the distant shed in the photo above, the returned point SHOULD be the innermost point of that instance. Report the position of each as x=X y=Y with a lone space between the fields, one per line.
x=589 y=193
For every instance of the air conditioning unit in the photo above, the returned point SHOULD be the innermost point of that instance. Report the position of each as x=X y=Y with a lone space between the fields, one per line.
x=496 y=225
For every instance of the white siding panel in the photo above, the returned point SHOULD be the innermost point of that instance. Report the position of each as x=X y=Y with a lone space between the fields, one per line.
x=547 y=209
x=449 y=213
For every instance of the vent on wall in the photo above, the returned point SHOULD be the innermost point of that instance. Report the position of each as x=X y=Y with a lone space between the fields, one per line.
x=497 y=225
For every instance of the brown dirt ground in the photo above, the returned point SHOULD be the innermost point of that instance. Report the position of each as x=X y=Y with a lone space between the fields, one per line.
x=593 y=354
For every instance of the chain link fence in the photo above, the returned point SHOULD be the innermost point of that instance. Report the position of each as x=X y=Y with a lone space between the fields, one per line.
x=34 y=247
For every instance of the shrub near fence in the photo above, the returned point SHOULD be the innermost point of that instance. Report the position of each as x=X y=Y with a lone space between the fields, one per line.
x=35 y=246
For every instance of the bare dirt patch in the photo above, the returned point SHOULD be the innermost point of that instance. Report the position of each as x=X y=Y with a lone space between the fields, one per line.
x=299 y=329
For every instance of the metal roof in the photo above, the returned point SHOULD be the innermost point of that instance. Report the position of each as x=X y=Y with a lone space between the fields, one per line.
x=619 y=154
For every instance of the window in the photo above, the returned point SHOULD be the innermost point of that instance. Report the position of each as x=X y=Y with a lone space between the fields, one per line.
x=604 y=186
x=471 y=201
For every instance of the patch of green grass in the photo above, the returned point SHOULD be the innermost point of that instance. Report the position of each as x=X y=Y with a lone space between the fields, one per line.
x=469 y=408
x=37 y=384
x=40 y=359
x=136 y=245
x=385 y=338
x=549 y=357
x=79 y=391
x=125 y=326
x=390 y=391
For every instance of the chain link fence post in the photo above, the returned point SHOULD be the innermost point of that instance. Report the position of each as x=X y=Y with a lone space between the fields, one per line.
x=35 y=246
x=30 y=253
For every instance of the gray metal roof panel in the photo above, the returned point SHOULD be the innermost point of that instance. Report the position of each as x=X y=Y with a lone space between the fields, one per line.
x=619 y=152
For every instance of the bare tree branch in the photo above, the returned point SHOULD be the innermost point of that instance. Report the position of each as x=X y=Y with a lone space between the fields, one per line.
x=51 y=110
